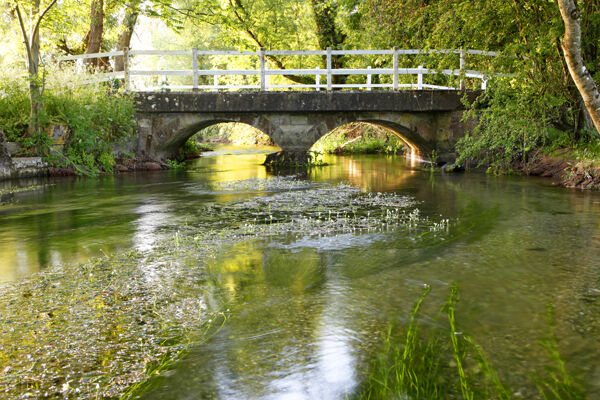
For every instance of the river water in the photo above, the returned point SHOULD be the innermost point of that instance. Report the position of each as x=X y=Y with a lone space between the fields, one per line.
x=306 y=312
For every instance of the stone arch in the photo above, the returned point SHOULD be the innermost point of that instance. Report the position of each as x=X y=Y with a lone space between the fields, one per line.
x=407 y=134
x=171 y=132
x=162 y=134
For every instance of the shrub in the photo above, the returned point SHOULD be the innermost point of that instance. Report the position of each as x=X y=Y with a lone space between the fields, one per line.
x=512 y=121
x=97 y=117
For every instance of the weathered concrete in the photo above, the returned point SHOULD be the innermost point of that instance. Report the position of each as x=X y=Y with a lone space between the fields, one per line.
x=6 y=164
x=426 y=120
x=24 y=167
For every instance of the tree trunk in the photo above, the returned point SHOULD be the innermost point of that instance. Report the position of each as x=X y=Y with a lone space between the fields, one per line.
x=35 y=90
x=328 y=33
x=94 y=39
x=571 y=45
x=127 y=28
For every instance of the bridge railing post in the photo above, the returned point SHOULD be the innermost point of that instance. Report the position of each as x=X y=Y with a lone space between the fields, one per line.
x=329 y=80
x=483 y=84
x=126 y=76
x=263 y=81
x=216 y=82
x=462 y=69
x=396 y=68
x=195 y=69
x=318 y=79
x=420 y=78
x=369 y=87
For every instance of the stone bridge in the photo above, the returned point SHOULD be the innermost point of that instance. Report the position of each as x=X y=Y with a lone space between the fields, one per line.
x=426 y=120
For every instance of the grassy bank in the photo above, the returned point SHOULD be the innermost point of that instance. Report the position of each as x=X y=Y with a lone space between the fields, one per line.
x=87 y=121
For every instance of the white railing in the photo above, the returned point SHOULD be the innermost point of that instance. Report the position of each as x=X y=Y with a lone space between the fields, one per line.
x=265 y=73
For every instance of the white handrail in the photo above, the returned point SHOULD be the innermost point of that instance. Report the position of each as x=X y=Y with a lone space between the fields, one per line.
x=263 y=72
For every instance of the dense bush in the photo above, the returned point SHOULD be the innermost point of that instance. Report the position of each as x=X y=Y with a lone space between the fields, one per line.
x=14 y=105
x=512 y=122
x=97 y=118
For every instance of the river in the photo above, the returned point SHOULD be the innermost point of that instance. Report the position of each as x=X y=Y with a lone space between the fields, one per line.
x=306 y=312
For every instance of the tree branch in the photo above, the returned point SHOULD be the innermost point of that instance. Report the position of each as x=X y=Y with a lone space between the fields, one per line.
x=37 y=25
x=26 y=39
x=294 y=78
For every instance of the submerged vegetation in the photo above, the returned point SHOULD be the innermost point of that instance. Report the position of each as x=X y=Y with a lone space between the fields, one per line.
x=106 y=327
x=102 y=328
x=445 y=363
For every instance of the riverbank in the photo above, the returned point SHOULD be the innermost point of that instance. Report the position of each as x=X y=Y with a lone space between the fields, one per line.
x=565 y=172
x=32 y=167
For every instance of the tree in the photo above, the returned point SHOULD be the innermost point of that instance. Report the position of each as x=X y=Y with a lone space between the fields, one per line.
x=94 y=37
x=328 y=33
x=132 y=12
x=571 y=45
x=32 y=45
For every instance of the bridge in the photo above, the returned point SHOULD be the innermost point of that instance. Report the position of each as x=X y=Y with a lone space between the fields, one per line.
x=421 y=105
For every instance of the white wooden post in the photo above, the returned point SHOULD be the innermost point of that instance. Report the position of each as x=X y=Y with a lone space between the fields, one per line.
x=263 y=83
x=329 y=85
x=195 y=68
x=462 y=69
x=395 y=68
x=126 y=68
x=369 y=79
x=420 y=78
x=483 y=84
x=216 y=82
x=318 y=80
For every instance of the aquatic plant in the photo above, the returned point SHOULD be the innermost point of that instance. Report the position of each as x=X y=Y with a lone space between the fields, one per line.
x=104 y=328
x=96 y=329
x=447 y=363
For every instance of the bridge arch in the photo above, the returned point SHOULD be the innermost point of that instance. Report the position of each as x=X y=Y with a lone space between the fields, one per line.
x=171 y=133
x=427 y=121
x=409 y=137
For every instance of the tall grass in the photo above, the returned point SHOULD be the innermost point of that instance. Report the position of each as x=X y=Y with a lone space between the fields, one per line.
x=412 y=364
x=97 y=116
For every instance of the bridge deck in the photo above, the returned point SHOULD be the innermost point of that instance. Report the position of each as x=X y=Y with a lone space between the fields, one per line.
x=302 y=102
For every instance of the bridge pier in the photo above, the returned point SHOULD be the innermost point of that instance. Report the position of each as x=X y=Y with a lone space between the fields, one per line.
x=427 y=121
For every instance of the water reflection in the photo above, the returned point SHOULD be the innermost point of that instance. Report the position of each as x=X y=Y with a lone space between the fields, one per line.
x=307 y=312
x=153 y=215
x=380 y=173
